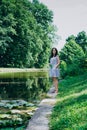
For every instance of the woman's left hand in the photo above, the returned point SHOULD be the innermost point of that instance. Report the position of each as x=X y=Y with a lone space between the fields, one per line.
x=56 y=66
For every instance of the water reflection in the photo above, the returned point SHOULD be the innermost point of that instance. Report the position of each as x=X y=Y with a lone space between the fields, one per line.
x=23 y=86
x=30 y=87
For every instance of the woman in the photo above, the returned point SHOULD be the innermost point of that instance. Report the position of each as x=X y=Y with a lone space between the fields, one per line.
x=54 y=71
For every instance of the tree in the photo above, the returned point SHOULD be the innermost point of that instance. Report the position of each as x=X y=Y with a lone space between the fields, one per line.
x=73 y=55
x=7 y=29
x=81 y=39
x=44 y=18
x=72 y=37
x=26 y=33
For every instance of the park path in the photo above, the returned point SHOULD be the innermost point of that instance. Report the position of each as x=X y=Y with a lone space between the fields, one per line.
x=40 y=120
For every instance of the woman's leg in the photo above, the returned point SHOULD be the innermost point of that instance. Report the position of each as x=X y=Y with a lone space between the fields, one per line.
x=55 y=82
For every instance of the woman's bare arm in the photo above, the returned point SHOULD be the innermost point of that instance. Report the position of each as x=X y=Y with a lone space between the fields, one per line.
x=58 y=61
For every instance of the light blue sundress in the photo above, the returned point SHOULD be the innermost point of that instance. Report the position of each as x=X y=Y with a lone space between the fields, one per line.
x=53 y=71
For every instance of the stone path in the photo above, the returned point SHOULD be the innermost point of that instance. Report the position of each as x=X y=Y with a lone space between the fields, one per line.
x=40 y=119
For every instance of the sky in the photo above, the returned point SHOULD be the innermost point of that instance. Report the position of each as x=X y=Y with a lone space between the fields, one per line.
x=70 y=17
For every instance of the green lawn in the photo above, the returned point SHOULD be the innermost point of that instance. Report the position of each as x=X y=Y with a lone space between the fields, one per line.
x=70 y=112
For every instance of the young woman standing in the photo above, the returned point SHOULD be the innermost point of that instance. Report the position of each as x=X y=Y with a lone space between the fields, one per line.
x=54 y=71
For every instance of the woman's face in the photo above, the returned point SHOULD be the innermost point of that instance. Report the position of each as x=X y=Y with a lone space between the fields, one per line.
x=54 y=51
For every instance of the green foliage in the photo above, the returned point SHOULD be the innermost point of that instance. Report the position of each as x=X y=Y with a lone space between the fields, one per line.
x=72 y=37
x=72 y=52
x=63 y=69
x=71 y=85
x=26 y=33
x=70 y=112
x=72 y=55
x=81 y=39
x=14 y=113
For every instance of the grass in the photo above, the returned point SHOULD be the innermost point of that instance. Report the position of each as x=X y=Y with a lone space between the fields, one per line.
x=70 y=112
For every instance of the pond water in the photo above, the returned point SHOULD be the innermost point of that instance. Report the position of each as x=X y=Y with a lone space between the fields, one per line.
x=27 y=86
x=23 y=85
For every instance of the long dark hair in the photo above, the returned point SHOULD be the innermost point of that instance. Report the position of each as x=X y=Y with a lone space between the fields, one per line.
x=51 y=55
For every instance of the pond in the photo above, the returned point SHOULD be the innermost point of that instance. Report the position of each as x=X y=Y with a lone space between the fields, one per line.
x=20 y=93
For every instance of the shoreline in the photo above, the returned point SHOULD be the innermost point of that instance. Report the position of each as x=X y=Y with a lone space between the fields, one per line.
x=11 y=70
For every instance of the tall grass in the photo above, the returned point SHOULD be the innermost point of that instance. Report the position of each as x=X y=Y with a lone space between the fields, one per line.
x=70 y=112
